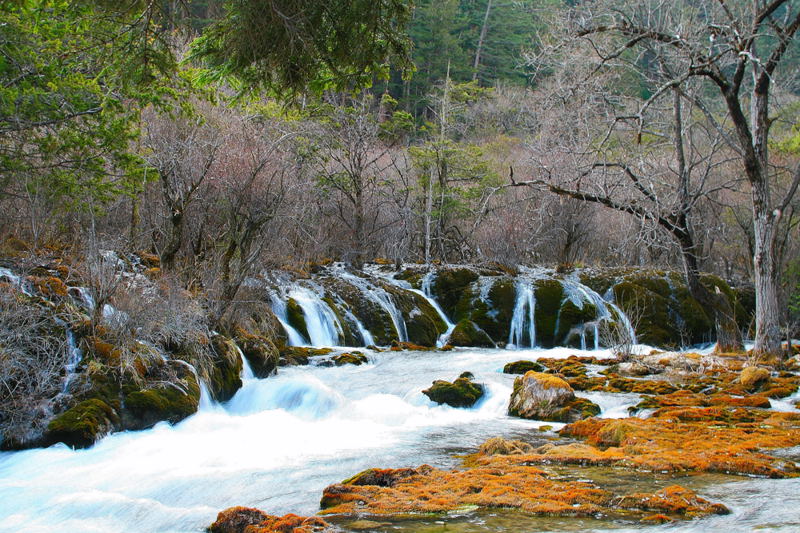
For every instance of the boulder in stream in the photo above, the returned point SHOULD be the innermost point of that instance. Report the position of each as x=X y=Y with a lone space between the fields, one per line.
x=462 y=392
x=542 y=396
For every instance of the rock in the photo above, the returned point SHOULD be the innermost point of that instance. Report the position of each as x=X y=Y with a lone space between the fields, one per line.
x=225 y=372
x=521 y=367
x=633 y=368
x=299 y=355
x=350 y=358
x=546 y=397
x=467 y=333
x=171 y=402
x=460 y=393
x=753 y=378
x=261 y=353
x=241 y=519
x=83 y=424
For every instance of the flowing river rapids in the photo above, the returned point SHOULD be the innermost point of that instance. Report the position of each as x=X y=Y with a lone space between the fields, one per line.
x=279 y=441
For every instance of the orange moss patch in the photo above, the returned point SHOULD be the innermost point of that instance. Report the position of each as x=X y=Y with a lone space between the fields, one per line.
x=505 y=485
x=248 y=520
x=675 y=441
x=410 y=346
x=673 y=500
x=49 y=286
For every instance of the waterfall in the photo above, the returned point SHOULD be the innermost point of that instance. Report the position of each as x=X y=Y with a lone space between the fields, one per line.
x=294 y=336
x=366 y=336
x=247 y=371
x=426 y=293
x=524 y=309
x=75 y=356
x=324 y=328
x=382 y=298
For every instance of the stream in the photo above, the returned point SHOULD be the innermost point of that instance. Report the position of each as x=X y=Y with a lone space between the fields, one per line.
x=280 y=441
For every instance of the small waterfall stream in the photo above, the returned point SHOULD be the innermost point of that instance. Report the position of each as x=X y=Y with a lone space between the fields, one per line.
x=523 y=320
x=279 y=308
x=324 y=328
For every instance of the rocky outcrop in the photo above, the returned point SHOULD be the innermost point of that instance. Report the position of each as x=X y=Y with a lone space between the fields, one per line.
x=541 y=396
x=467 y=333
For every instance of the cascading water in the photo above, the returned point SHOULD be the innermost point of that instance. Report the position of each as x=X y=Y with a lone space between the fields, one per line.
x=428 y=295
x=75 y=356
x=324 y=328
x=523 y=320
x=15 y=280
x=279 y=308
x=382 y=298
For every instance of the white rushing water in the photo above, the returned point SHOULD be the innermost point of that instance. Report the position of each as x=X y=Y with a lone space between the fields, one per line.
x=523 y=320
x=323 y=326
x=275 y=445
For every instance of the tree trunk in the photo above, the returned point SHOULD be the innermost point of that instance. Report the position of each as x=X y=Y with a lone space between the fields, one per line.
x=481 y=39
x=360 y=238
x=174 y=242
x=768 y=331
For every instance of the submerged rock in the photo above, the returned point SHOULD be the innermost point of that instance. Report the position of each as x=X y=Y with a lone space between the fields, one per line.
x=350 y=358
x=542 y=396
x=521 y=367
x=460 y=393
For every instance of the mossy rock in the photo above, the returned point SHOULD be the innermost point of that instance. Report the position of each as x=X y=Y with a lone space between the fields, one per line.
x=350 y=358
x=299 y=355
x=423 y=324
x=570 y=316
x=460 y=393
x=261 y=353
x=549 y=295
x=494 y=315
x=742 y=315
x=412 y=276
x=295 y=317
x=521 y=367
x=83 y=424
x=448 y=288
x=226 y=369
x=371 y=314
x=170 y=402
x=656 y=325
x=467 y=333
x=347 y=336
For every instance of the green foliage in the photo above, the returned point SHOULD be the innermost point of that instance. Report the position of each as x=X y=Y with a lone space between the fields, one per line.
x=73 y=77
x=293 y=46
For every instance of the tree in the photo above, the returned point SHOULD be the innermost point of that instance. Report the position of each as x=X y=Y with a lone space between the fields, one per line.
x=737 y=52
x=293 y=46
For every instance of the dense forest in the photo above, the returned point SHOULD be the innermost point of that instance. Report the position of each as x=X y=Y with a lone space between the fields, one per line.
x=191 y=188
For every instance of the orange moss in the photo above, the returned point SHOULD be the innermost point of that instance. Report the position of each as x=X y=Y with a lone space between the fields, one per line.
x=674 y=500
x=683 y=441
x=49 y=286
x=248 y=520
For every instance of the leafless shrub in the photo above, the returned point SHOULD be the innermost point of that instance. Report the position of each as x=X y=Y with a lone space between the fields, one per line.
x=33 y=353
x=620 y=336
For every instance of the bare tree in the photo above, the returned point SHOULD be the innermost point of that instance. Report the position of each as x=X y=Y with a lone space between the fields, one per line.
x=736 y=52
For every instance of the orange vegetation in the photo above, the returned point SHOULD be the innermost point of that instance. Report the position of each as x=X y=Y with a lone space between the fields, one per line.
x=430 y=490
x=247 y=520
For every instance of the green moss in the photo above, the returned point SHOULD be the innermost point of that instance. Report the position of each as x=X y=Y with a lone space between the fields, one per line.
x=577 y=409
x=413 y=277
x=549 y=295
x=460 y=393
x=520 y=367
x=494 y=316
x=350 y=358
x=261 y=353
x=371 y=315
x=448 y=287
x=467 y=333
x=226 y=369
x=83 y=424
x=145 y=408
x=570 y=315
x=295 y=317
x=423 y=323
x=656 y=325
